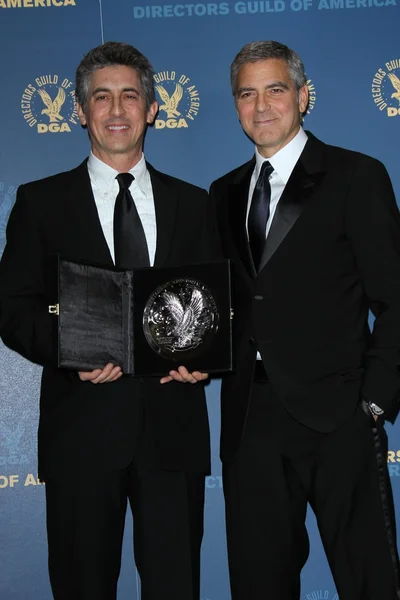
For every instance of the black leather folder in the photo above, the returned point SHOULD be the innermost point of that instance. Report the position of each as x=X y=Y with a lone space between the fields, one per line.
x=148 y=321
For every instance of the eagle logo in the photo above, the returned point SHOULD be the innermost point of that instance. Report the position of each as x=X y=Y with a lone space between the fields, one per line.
x=396 y=84
x=184 y=318
x=53 y=106
x=170 y=102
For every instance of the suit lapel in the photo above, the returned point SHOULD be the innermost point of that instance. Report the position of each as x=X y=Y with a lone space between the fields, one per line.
x=89 y=241
x=237 y=209
x=299 y=190
x=166 y=204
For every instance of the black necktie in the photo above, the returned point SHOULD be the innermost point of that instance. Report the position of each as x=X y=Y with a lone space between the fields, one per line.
x=130 y=244
x=259 y=213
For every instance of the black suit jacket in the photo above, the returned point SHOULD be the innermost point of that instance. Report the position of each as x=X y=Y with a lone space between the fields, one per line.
x=82 y=423
x=332 y=253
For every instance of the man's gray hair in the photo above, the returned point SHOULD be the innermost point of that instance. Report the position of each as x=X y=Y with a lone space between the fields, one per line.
x=256 y=51
x=113 y=54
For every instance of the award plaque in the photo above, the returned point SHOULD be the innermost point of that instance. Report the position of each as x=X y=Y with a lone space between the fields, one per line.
x=183 y=316
x=148 y=321
x=180 y=316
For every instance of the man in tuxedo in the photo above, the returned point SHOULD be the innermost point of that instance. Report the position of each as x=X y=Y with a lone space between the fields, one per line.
x=314 y=234
x=105 y=439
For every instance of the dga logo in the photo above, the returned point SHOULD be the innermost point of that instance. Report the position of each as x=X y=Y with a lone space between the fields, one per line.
x=179 y=100
x=7 y=199
x=48 y=104
x=10 y=443
x=386 y=88
x=321 y=595
x=312 y=96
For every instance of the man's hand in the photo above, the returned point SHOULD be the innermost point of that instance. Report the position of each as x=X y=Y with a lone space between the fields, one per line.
x=375 y=410
x=183 y=376
x=106 y=375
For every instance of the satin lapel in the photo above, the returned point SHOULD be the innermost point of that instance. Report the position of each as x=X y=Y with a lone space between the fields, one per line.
x=89 y=241
x=299 y=190
x=237 y=207
x=166 y=204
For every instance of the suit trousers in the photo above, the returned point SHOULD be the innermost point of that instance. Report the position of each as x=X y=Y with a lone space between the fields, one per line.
x=280 y=467
x=85 y=524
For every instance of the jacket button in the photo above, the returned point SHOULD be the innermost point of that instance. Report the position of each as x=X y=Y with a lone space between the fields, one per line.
x=258 y=297
x=252 y=342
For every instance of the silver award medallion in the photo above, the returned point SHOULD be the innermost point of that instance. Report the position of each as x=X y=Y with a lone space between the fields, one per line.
x=180 y=318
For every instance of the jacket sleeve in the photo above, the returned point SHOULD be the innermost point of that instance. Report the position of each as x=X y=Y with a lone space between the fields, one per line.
x=25 y=324
x=210 y=237
x=373 y=229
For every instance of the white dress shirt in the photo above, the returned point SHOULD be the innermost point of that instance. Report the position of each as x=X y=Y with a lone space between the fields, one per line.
x=105 y=190
x=283 y=163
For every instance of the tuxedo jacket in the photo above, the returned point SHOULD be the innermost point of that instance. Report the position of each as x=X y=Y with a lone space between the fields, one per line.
x=95 y=426
x=332 y=254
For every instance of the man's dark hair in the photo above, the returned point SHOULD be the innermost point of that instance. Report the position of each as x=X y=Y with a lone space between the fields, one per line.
x=256 y=51
x=112 y=54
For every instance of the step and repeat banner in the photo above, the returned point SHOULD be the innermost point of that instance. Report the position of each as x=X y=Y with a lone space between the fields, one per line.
x=351 y=51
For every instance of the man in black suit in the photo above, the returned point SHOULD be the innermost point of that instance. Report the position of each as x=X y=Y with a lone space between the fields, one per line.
x=314 y=234
x=105 y=439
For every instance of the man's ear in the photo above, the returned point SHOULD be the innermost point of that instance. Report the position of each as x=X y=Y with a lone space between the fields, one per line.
x=81 y=115
x=303 y=98
x=151 y=113
x=237 y=112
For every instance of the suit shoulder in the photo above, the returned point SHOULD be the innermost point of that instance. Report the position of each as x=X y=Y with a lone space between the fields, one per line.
x=352 y=158
x=177 y=184
x=58 y=180
x=185 y=185
x=232 y=175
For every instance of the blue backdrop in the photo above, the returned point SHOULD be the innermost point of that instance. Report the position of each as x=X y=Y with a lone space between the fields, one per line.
x=352 y=57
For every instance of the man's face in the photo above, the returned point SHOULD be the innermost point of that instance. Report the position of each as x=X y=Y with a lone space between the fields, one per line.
x=267 y=104
x=116 y=114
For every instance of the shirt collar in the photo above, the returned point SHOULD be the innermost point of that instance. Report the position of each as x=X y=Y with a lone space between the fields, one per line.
x=285 y=159
x=104 y=175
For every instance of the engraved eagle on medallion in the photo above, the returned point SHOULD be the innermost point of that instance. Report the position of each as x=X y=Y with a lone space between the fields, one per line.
x=184 y=317
x=170 y=102
x=180 y=316
x=53 y=106
x=396 y=84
